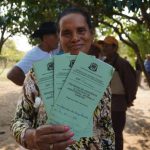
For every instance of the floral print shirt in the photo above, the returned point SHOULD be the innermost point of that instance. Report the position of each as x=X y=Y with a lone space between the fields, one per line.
x=28 y=116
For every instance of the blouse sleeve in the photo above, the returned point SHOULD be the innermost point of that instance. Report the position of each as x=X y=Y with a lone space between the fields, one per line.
x=25 y=116
x=103 y=124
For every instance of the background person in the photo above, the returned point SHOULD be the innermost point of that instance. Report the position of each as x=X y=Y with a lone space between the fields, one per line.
x=147 y=64
x=28 y=127
x=47 y=33
x=123 y=86
x=96 y=49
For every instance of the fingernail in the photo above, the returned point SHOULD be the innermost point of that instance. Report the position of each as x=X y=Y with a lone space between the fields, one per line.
x=71 y=134
x=66 y=128
x=71 y=141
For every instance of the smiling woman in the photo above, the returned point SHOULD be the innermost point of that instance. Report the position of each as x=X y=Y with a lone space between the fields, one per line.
x=29 y=125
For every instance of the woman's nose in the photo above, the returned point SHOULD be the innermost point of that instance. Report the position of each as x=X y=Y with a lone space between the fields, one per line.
x=75 y=37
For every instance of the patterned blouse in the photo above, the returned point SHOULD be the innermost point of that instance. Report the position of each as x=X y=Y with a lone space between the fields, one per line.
x=29 y=116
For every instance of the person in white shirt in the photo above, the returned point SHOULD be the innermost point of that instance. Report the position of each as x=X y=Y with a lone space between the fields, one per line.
x=32 y=56
x=47 y=33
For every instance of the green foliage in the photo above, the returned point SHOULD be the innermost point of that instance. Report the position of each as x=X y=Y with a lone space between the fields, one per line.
x=142 y=38
x=10 y=53
x=9 y=45
x=132 y=5
x=25 y=16
x=14 y=56
x=126 y=51
x=10 y=20
x=119 y=17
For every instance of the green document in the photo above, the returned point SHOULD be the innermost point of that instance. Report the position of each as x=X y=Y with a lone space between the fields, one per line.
x=84 y=87
x=86 y=132
x=44 y=71
x=63 y=64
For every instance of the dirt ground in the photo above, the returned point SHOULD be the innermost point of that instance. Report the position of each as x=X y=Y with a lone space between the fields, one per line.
x=136 y=134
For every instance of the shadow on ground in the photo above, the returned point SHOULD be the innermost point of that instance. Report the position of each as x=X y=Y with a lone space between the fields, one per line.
x=138 y=125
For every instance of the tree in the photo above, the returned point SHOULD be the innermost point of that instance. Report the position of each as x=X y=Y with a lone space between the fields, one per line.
x=118 y=16
x=9 y=46
x=9 y=20
x=9 y=54
x=143 y=40
x=138 y=17
x=10 y=51
x=24 y=17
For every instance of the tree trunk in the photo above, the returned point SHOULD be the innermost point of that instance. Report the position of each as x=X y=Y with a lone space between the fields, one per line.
x=2 y=43
x=136 y=50
x=1 y=46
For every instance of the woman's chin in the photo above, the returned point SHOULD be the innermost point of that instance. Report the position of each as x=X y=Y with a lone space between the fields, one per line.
x=74 y=52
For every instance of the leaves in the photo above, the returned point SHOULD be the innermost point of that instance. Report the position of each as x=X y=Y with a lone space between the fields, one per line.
x=25 y=16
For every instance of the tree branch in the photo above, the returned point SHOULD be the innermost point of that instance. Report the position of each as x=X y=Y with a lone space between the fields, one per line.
x=123 y=30
x=145 y=15
x=3 y=32
x=7 y=38
x=128 y=17
x=128 y=42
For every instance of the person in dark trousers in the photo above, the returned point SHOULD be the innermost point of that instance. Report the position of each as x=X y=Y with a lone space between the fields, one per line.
x=123 y=86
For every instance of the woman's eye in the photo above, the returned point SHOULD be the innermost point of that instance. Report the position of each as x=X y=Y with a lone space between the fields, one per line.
x=66 y=34
x=82 y=31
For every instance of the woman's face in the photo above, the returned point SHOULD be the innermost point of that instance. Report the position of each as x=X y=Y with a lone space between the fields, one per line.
x=74 y=34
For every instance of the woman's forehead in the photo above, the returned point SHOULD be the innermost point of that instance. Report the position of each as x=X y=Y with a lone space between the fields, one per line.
x=72 y=20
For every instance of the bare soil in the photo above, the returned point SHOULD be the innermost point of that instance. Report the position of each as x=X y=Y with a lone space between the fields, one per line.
x=136 y=133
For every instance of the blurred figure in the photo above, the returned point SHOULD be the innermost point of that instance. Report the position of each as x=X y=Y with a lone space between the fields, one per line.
x=47 y=33
x=96 y=50
x=123 y=86
x=147 y=64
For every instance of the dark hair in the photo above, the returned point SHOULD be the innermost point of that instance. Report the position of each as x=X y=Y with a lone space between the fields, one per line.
x=44 y=29
x=115 y=46
x=76 y=10
x=95 y=51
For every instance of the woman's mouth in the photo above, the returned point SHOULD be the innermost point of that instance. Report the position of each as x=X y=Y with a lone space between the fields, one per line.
x=77 y=47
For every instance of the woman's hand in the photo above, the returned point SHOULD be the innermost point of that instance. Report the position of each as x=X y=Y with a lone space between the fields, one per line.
x=48 y=137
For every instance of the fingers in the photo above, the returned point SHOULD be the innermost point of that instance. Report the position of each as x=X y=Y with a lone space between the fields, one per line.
x=57 y=146
x=43 y=147
x=55 y=137
x=47 y=129
x=63 y=145
x=58 y=135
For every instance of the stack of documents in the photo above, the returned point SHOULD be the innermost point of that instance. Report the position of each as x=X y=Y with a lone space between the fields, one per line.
x=71 y=87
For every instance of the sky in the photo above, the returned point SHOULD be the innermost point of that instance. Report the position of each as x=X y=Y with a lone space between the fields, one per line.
x=22 y=43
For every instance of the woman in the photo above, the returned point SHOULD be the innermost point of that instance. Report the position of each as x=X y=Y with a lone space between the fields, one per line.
x=29 y=129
